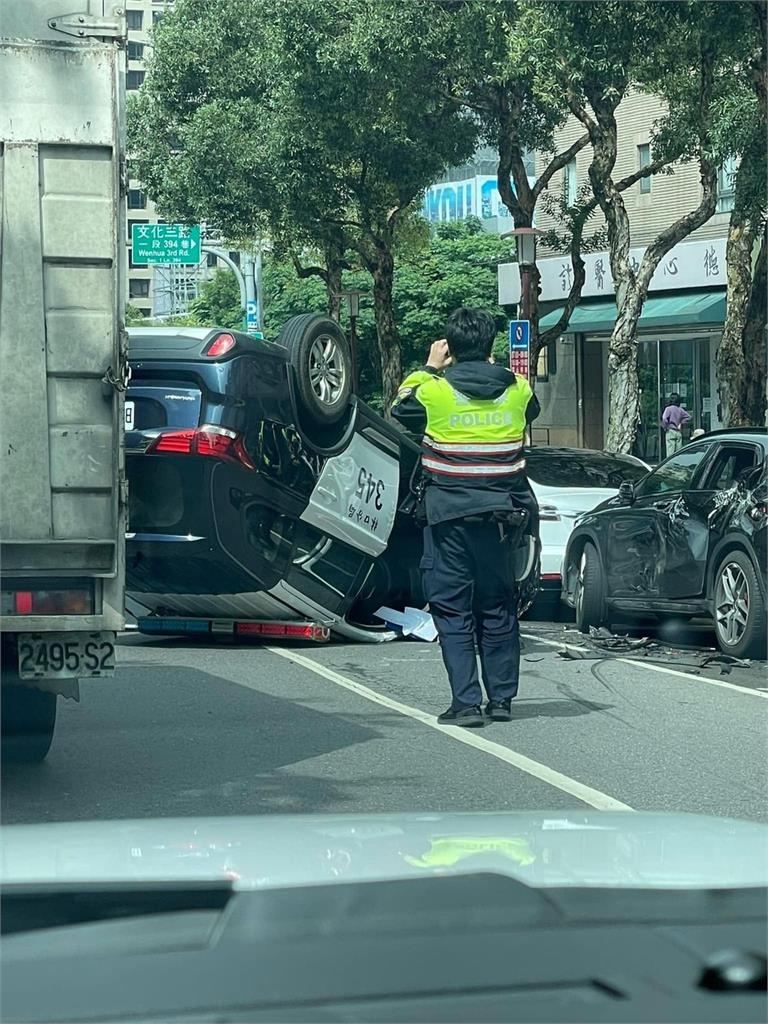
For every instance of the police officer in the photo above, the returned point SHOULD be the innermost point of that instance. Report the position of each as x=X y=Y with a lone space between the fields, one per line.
x=472 y=416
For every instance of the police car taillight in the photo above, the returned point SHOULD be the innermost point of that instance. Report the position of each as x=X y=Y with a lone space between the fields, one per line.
x=220 y=346
x=210 y=440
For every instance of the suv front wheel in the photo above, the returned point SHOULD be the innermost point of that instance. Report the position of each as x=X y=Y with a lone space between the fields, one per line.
x=590 y=590
x=739 y=607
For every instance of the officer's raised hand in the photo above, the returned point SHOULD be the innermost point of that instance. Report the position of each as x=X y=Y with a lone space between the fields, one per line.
x=439 y=355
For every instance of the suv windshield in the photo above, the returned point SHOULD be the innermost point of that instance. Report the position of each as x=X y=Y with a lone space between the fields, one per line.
x=581 y=468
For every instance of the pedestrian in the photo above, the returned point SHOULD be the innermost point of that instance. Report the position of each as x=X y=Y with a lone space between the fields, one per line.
x=471 y=415
x=673 y=419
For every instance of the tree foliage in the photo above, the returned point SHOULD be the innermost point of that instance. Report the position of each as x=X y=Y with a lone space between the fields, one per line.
x=317 y=122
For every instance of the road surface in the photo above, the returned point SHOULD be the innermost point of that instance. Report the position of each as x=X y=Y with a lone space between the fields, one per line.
x=204 y=728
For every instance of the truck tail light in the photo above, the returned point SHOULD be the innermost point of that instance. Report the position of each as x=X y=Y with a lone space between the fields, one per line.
x=218 y=442
x=55 y=601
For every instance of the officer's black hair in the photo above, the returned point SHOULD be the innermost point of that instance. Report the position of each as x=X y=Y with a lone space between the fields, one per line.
x=470 y=334
x=674 y=398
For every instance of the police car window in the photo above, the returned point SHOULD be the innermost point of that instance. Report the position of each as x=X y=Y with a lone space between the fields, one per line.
x=676 y=474
x=728 y=466
x=581 y=469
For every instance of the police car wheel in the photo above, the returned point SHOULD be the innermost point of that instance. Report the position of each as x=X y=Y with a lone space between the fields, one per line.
x=322 y=364
x=590 y=599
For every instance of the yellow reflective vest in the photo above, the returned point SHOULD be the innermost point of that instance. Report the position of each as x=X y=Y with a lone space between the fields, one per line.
x=469 y=439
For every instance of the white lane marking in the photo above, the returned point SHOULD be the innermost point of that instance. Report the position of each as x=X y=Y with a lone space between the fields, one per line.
x=651 y=668
x=586 y=794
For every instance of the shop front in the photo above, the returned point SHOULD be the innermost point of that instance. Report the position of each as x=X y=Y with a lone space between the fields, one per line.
x=678 y=335
x=677 y=340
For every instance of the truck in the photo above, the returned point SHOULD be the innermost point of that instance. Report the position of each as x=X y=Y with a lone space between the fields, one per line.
x=63 y=366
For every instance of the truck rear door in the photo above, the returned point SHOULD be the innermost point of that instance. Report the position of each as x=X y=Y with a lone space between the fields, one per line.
x=63 y=258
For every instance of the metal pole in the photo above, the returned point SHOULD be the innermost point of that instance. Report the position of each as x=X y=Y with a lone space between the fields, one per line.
x=353 y=347
x=257 y=270
x=225 y=258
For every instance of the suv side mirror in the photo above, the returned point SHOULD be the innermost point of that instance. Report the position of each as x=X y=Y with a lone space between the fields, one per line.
x=627 y=491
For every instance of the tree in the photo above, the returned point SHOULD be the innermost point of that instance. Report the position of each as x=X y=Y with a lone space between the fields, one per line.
x=317 y=122
x=218 y=302
x=134 y=317
x=457 y=266
x=740 y=131
x=671 y=50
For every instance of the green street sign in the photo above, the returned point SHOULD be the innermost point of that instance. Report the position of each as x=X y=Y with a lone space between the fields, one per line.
x=165 y=243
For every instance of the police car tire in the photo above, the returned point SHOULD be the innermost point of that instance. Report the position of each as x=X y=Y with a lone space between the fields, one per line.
x=590 y=603
x=300 y=336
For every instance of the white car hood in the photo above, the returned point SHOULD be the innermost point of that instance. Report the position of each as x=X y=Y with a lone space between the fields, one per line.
x=573 y=848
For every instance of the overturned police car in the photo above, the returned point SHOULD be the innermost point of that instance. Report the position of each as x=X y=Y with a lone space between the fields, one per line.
x=265 y=499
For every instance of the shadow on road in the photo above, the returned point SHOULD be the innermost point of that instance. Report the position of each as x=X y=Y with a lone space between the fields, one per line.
x=178 y=740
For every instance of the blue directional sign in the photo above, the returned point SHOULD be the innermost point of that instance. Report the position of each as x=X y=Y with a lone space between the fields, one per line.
x=519 y=346
x=252 y=317
x=519 y=335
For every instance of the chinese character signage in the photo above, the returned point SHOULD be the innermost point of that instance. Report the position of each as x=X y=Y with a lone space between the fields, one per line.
x=165 y=243
x=688 y=265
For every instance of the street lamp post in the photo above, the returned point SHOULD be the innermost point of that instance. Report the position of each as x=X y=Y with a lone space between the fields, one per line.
x=352 y=295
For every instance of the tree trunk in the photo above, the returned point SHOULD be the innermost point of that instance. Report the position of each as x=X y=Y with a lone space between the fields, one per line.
x=623 y=386
x=729 y=362
x=333 y=285
x=386 y=330
x=756 y=340
x=334 y=264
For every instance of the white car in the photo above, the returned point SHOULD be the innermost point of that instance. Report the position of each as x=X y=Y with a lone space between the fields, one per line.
x=567 y=482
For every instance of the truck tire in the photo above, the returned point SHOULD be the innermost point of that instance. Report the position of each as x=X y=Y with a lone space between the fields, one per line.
x=322 y=363
x=590 y=591
x=28 y=718
x=739 y=607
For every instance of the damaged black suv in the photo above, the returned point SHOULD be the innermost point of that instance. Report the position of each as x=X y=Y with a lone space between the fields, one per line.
x=688 y=539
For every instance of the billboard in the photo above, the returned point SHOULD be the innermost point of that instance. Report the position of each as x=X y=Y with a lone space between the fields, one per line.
x=456 y=200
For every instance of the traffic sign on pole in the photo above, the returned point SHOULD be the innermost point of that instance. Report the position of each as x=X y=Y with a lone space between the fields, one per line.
x=519 y=346
x=165 y=243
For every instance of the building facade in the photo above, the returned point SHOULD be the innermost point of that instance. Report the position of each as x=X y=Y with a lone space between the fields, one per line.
x=141 y=15
x=683 y=317
x=471 y=191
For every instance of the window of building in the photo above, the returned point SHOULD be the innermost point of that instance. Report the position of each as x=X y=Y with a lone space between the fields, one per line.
x=211 y=259
x=145 y=312
x=138 y=220
x=134 y=79
x=726 y=185
x=546 y=365
x=135 y=50
x=136 y=199
x=157 y=16
x=571 y=186
x=643 y=159
x=138 y=288
x=235 y=257
x=134 y=20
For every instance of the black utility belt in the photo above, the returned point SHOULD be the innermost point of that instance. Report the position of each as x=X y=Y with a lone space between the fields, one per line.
x=510 y=517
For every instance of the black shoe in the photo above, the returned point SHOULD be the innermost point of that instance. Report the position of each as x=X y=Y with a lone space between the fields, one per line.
x=471 y=717
x=499 y=710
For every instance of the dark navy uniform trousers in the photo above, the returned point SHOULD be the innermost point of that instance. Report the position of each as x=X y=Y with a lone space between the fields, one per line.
x=470 y=586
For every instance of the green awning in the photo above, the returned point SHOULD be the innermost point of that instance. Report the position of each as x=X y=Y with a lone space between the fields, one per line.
x=658 y=311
